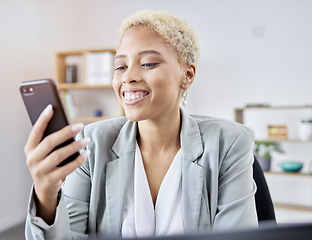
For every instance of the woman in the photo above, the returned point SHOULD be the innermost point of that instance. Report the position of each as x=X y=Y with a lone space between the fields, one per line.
x=157 y=171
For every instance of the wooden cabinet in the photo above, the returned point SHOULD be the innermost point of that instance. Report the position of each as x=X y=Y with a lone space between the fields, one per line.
x=291 y=192
x=85 y=100
x=279 y=112
x=292 y=196
x=239 y=112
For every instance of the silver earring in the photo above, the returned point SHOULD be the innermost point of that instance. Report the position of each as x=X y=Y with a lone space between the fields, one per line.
x=184 y=95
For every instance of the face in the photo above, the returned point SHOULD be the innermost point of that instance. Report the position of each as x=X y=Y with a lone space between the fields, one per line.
x=148 y=77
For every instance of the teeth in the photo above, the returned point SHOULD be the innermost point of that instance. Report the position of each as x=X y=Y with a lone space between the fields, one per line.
x=133 y=96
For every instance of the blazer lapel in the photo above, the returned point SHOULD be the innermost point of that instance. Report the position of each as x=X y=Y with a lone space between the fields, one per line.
x=192 y=173
x=118 y=173
x=192 y=187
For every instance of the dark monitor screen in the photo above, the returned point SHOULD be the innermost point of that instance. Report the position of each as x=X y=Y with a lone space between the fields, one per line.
x=293 y=231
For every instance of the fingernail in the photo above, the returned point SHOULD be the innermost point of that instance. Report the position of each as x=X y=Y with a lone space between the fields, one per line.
x=86 y=153
x=47 y=110
x=77 y=127
x=85 y=141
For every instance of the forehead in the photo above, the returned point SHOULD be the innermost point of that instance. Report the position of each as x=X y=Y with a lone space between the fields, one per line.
x=137 y=39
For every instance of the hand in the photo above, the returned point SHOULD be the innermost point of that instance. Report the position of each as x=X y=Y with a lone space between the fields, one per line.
x=42 y=163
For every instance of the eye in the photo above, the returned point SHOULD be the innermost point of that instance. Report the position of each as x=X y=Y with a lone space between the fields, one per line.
x=149 y=65
x=121 y=68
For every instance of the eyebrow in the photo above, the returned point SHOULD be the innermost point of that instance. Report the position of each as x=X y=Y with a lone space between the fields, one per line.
x=149 y=52
x=145 y=52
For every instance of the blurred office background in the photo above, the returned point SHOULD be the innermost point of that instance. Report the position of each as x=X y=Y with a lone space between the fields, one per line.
x=252 y=52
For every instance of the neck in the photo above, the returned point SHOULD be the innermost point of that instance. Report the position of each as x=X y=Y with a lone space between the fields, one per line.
x=161 y=135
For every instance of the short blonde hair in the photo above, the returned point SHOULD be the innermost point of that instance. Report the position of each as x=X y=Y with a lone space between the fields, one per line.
x=172 y=30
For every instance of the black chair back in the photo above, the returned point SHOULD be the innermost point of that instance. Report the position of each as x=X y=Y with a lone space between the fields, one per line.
x=264 y=204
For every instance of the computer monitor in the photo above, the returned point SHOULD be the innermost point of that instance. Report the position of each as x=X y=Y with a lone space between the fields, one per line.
x=293 y=231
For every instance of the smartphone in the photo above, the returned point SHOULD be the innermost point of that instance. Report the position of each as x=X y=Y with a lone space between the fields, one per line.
x=37 y=95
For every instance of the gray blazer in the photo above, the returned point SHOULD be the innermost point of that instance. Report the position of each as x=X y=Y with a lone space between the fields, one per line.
x=217 y=184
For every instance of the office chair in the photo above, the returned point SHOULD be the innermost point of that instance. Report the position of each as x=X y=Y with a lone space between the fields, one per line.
x=264 y=204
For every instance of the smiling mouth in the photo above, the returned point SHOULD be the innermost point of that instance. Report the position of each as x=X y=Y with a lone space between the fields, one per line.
x=134 y=95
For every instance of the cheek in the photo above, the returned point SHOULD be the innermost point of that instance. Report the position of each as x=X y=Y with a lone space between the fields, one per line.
x=163 y=78
x=171 y=80
x=167 y=86
x=116 y=85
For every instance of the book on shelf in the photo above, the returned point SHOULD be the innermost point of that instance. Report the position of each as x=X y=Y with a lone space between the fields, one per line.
x=69 y=105
x=277 y=132
x=73 y=66
x=99 y=68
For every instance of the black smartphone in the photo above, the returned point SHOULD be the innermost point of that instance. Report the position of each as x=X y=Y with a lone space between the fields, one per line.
x=37 y=95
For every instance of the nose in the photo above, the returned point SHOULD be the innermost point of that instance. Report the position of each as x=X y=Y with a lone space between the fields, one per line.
x=131 y=75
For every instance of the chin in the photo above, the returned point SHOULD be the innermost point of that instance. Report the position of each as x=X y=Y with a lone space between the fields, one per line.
x=134 y=116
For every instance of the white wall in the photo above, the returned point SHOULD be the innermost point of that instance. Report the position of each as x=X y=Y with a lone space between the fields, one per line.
x=18 y=61
x=251 y=51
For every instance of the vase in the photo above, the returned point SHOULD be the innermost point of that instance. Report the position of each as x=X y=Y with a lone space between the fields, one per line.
x=264 y=163
x=305 y=131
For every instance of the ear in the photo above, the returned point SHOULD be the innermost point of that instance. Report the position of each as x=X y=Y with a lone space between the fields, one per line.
x=190 y=72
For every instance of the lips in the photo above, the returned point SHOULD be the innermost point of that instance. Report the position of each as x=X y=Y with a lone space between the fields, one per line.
x=133 y=97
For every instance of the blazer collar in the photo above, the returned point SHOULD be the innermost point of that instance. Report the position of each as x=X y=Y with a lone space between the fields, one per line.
x=120 y=170
x=191 y=141
x=192 y=172
x=118 y=174
x=126 y=139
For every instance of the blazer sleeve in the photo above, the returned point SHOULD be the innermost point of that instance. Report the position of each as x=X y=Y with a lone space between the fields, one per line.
x=71 y=214
x=236 y=187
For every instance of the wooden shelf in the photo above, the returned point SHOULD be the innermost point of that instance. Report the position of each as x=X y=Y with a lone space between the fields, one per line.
x=290 y=206
x=284 y=140
x=239 y=112
x=277 y=107
x=60 y=63
x=289 y=173
x=277 y=176
x=68 y=90
x=293 y=207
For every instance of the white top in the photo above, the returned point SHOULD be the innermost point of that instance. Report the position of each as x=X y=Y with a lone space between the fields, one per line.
x=140 y=217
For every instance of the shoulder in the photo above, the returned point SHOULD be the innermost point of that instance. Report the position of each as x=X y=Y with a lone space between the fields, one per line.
x=103 y=135
x=224 y=143
x=224 y=129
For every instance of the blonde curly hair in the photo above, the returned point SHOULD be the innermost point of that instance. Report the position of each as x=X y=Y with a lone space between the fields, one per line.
x=172 y=30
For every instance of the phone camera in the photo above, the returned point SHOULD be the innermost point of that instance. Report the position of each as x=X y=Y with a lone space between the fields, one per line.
x=27 y=90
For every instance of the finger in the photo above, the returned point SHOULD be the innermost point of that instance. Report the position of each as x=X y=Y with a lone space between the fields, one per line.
x=53 y=140
x=56 y=157
x=62 y=172
x=37 y=131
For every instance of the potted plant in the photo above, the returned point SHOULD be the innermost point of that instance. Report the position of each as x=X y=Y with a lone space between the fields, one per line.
x=305 y=130
x=263 y=151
